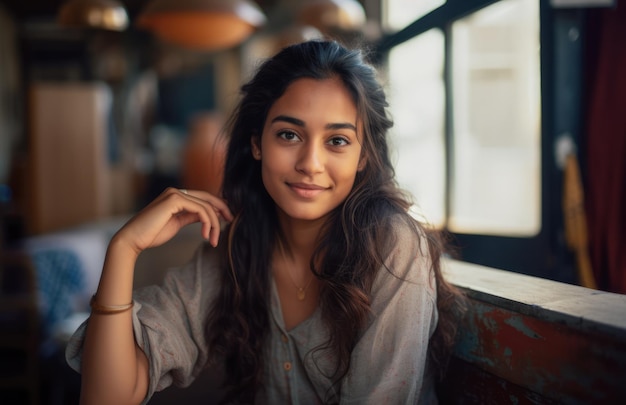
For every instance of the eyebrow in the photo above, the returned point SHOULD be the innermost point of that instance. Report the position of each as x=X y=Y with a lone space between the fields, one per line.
x=300 y=123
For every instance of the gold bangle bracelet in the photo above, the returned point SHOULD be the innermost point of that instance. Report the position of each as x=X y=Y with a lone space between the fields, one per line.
x=108 y=309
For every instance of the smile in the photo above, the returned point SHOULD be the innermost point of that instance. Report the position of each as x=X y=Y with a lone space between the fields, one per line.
x=306 y=190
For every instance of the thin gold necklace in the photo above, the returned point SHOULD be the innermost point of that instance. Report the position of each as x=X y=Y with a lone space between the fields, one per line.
x=301 y=291
x=301 y=294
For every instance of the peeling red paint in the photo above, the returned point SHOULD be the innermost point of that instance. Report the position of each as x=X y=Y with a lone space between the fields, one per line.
x=544 y=357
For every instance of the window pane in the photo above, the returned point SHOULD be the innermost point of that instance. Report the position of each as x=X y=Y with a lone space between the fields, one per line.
x=496 y=105
x=400 y=13
x=417 y=99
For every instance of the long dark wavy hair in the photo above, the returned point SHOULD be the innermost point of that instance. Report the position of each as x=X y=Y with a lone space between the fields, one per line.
x=354 y=241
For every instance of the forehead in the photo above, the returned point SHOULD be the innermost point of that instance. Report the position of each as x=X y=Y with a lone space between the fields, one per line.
x=309 y=96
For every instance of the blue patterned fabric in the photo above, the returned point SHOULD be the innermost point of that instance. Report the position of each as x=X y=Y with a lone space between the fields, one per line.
x=59 y=278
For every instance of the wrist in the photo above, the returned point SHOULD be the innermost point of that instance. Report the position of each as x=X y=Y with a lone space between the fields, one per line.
x=119 y=247
x=116 y=280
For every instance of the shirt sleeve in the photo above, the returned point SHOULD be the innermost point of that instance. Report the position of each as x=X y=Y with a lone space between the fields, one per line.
x=169 y=323
x=389 y=362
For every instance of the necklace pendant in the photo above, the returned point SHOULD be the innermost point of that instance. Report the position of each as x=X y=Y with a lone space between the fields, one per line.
x=301 y=294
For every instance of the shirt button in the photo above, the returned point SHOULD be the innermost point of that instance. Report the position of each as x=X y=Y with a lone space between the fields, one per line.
x=287 y=366
x=284 y=338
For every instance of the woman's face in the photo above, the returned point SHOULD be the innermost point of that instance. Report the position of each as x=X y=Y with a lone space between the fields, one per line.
x=310 y=148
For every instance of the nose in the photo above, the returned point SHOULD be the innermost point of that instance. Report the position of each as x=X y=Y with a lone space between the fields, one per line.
x=311 y=158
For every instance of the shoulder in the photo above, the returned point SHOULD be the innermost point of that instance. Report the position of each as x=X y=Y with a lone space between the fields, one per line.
x=404 y=291
x=405 y=238
x=407 y=255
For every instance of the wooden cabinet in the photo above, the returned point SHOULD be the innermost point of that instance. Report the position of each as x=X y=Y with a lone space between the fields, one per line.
x=69 y=170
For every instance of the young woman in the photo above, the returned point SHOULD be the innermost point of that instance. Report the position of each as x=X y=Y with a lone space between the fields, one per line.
x=315 y=286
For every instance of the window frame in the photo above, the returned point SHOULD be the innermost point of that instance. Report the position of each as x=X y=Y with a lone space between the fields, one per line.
x=545 y=254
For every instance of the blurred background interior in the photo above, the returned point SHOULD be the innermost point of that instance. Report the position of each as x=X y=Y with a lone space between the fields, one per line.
x=509 y=131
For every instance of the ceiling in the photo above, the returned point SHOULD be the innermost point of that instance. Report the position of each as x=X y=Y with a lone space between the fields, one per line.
x=35 y=9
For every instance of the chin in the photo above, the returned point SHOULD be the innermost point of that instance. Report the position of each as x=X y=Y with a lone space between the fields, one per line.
x=305 y=214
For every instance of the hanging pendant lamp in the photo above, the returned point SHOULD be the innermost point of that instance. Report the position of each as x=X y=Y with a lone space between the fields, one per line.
x=331 y=15
x=99 y=14
x=202 y=24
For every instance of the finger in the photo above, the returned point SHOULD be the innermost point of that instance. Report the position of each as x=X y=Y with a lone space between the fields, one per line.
x=218 y=204
x=202 y=211
x=211 y=230
x=209 y=215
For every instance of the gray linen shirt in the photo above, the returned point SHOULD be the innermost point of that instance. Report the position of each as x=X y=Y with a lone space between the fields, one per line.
x=388 y=363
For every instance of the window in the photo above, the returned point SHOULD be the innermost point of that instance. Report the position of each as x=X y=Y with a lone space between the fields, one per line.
x=464 y=83
x=494 y=182
x=417 y=95
x=496 y=105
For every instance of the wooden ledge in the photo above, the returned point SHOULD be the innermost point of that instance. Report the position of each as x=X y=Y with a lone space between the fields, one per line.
x=531 y=340
x=577 y=307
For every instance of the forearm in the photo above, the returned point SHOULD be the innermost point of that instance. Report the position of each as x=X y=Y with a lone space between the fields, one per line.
x=114 y=370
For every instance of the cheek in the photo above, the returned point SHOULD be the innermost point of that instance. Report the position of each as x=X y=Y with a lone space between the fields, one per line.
x=273 y=161
x=272 y=170
x=350 y=167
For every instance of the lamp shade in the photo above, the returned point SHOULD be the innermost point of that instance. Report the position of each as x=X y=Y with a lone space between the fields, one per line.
x=329 y=15
x=202 y=24
x=99 y=14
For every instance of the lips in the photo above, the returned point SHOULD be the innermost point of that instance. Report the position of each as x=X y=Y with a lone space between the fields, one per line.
x=306 y=190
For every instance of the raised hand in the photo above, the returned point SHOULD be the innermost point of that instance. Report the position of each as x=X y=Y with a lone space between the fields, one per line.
x=163 y=218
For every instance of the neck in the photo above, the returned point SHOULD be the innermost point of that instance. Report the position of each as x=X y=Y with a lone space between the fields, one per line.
x=300 y=237
x=291 y=260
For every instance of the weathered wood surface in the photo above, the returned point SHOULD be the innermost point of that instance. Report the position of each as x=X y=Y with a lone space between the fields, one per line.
x=536 y=341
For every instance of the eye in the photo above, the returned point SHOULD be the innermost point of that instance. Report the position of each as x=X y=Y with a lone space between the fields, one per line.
x=289 y=136
x=338 y=141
